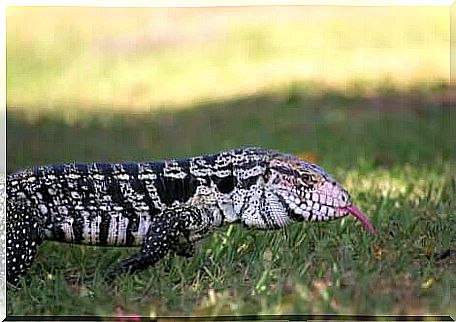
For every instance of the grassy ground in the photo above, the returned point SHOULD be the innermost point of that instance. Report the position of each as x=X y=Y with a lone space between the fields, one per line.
x=147 y=59
x=394 y=152
x=109 y=84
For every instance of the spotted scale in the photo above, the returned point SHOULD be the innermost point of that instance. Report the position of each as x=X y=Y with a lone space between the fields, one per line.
x=163 y=206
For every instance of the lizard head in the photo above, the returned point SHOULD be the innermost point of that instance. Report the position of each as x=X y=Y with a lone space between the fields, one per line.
x=309 y=193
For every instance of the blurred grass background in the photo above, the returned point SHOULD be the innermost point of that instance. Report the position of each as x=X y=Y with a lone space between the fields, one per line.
x=362 y=91
x=154 y=58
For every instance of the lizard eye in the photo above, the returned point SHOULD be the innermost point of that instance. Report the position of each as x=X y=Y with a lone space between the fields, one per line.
x=284 y=170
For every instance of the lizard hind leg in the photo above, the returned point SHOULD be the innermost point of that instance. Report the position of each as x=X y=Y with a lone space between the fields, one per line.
x=23 y=236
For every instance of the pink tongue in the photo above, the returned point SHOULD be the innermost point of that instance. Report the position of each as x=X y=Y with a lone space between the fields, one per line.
x=362 y=218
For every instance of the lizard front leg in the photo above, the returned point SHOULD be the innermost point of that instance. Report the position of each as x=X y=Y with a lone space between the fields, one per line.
x=162 y=234
x=197 y=223
x=171 y=231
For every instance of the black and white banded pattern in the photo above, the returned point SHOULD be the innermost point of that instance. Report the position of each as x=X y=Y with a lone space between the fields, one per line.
x=162 y=206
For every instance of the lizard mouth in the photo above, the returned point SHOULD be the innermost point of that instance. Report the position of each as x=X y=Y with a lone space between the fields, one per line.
x=354 y=211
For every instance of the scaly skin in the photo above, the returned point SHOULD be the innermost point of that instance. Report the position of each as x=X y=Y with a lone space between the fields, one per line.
x=163 y=206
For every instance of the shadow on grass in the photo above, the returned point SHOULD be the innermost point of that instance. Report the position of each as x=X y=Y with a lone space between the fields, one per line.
x=306 y=268
x=396 y=143
x=344 y=129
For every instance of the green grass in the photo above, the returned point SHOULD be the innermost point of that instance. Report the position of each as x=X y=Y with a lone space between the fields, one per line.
x=395 y=153
x=106 y=84
x=146 y=59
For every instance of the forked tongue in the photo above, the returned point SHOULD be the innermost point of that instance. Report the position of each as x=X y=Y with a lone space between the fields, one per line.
x=362 y=218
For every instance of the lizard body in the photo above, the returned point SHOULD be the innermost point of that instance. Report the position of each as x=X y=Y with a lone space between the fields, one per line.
x=163 y=206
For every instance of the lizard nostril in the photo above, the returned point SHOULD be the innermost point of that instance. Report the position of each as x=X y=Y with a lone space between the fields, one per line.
x=344 y=197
